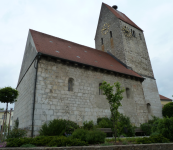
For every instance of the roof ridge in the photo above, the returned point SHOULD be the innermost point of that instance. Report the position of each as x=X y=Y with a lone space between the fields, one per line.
x=127 y=20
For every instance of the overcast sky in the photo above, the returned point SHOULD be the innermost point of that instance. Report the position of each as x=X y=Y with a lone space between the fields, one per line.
x=76 y=20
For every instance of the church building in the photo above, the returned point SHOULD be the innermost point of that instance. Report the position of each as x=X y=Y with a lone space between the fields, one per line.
x=61 y=79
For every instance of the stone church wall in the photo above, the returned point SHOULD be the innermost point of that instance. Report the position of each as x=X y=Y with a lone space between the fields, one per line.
x=29 y=55
x=53 y=100
x=24 y=105
x=152 y=97
x=136 y=52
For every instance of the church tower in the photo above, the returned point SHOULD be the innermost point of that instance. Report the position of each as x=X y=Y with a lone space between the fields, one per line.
x=117 y=35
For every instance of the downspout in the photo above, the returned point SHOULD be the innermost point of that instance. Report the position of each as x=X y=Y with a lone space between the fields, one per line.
x=36 y=67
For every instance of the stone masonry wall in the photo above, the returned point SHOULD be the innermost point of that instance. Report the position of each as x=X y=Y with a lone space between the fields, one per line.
x=24 y=105
x=136 y=52
x=53 y=100
x=29 y=55
x=152 y=96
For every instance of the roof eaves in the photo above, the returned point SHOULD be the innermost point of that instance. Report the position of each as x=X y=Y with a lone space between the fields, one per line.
x=141 y=78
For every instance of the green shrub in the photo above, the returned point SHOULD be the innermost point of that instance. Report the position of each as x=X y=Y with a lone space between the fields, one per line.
x=104 y=118
x=27 y=145
x=105 y=123
x=165 y=127
x=125 y=127
x=149 y=126
x=167 y=110
x=66 y=141
x=80 y=134
x=152 y=139
x=17 y=133
x=95 y=136
x=16 y=142
x=90 y=136
x=146 y=127
x=41 y=140
x=45 y=141
x=88 y=125
x=58 y=127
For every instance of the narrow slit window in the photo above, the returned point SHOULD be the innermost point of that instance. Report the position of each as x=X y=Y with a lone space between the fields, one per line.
x=111 y=34
x=70 y=84
x=134 y=33
x=102 y=40
x=128 y=92
x=140 y=36
x=100 y=90
x=149 y=107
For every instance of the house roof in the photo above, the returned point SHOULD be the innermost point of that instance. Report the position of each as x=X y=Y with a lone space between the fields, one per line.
x=164 y=98
x=122 y=16
x=60 y=48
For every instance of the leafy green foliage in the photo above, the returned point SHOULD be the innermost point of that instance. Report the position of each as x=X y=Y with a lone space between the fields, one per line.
x=165 y=127
x=90 y=136
x=147 y=127
x=64 y=141
x=152 y=139
x=167 y=110
x=45 y=141
x=16 y=123
x=125 y=127
x=17 y=133
x=27 y=145
x=95 y=136
x=80 y=134
x=89 y=125
x=104 y=122
x=58 y=127
x=114 y=101
x=8 y=95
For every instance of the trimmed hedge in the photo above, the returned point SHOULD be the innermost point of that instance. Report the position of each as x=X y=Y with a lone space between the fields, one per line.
x=90 y=136
x=64 y=141
x=46 y=141
x=152 y=139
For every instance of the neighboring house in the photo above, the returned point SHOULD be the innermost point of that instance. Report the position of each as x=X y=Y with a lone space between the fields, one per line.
x=61 y=79
x=2 y=117
x=164 y=100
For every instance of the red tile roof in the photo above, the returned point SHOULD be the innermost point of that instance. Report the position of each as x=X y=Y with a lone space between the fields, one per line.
x=50 y=45
x=122 y=16
x=164 y=98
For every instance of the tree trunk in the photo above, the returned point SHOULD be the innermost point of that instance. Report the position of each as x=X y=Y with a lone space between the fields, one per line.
x=114 y=128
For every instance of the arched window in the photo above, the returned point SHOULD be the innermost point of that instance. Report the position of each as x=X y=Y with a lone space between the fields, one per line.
x=128 y=92
x=70 y=84
x=149 y=107
x=100 y=90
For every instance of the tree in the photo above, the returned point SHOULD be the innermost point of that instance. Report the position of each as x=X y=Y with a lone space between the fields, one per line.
x=114 y=101
x=1 y=108
x=7 y=95
x=167 y=110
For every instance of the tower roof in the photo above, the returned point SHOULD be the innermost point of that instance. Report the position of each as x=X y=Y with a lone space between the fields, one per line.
x=122 y=16
x=63 y=49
